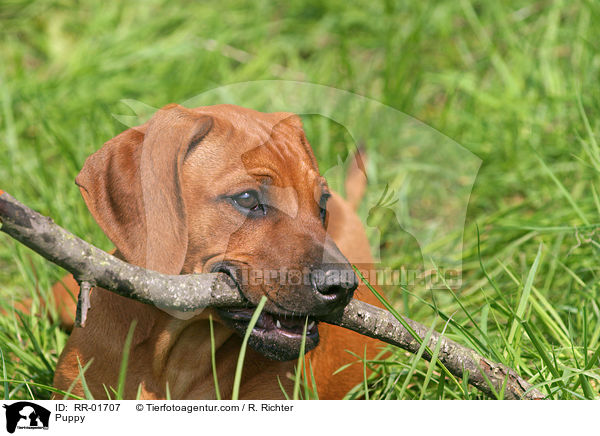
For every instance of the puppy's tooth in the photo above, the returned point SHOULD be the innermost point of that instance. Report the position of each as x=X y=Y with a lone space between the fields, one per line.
x=278 y=324
x=311 y=325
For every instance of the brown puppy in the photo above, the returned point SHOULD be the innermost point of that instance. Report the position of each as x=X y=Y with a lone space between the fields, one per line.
x=220 y=188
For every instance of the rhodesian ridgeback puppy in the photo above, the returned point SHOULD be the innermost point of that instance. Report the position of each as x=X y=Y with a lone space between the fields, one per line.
x=220 y=189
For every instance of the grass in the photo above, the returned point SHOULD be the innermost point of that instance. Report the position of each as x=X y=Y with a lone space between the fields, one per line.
x=240 y=363
x=513 y=82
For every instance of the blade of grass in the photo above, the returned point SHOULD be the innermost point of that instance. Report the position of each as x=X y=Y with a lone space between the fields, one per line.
x=541 y=350
x=44 y=387
x=432 y=364
x=593 y=362
x=313 y=381
x=485 y=273
x=524 y=296
x=490 y=385
x=588 y=391
x=465 y=381
x=546 y=312
x=343 y=367
x=107 y=391
x=365 y=381
x=596 y=199
x=585 y=337
x=240 y=363
x=81 y=376
x=441 y=386
x=213 y=358
x=125 y=361
x=307 y=393
x=562 y=189
x=476 y=343
x=285 y=394
x=4 y=375
x=593 y=150
x=29 y=390
x=300 y=365
x=416 y=359
x=34 y=342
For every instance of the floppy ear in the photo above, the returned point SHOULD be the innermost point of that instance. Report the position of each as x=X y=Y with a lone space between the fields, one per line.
x=132 y=187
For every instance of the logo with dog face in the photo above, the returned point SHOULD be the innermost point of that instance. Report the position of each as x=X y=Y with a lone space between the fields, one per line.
x=265 y=213
x=26 y=415
x=418 y=181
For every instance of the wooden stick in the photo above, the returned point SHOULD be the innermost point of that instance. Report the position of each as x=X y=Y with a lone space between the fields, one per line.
x=94 y=267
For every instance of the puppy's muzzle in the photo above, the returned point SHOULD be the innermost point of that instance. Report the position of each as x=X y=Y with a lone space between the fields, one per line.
x=333 y=281
x=334 y=284
x=317 y=290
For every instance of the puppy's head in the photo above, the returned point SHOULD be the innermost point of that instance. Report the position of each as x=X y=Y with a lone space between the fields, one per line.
x=226 y=189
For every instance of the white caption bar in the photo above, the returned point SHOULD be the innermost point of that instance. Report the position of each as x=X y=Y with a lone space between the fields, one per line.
x=297 y=417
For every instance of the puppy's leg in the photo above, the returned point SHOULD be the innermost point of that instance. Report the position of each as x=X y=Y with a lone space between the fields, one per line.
x=63 y=299
x=65 y=293
x=337 y=343
x=356 y=179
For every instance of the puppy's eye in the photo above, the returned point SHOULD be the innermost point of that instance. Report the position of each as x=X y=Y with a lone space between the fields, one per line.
x=323 y=207
x=323 y=215
x=248 y=200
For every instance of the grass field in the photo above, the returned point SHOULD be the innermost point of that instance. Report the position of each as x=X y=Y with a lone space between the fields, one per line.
x=514 y=82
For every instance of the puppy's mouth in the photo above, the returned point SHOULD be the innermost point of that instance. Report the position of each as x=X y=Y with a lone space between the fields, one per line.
x=277 y=336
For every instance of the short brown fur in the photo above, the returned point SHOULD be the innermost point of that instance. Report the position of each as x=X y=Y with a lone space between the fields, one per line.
x=159 y=205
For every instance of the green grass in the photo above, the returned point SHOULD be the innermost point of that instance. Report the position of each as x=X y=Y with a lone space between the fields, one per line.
x=240 y=363
x=514 y=82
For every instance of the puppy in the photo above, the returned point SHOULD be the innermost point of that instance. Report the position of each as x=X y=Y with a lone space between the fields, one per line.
x=221 y=189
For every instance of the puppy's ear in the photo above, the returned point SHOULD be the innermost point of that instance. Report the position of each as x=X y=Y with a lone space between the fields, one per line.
x=289 y=118
x=294 y=120
x=132 y=187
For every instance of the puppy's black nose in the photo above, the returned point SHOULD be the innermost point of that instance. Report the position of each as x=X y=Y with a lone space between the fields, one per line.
x=334 y=281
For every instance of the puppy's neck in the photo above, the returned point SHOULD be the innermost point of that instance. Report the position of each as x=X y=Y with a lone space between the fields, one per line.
x=183 y=354
x=180 y=352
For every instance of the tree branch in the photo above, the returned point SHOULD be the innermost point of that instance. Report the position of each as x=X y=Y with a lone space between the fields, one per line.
x=94 y=267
